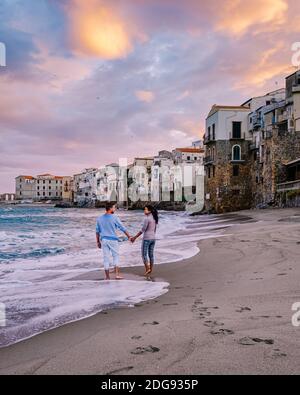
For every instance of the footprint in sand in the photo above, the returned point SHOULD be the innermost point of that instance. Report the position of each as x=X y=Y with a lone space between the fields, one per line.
x=242 y=309
x=278 y=354
x=170 y=304
x=222 y=332
x=251 y=341
x=136 y=337
x=143 y=350
x=151 y=323
x=212 y=324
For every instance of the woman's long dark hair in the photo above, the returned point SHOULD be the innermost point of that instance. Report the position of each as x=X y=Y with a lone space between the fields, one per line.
x=154 y=212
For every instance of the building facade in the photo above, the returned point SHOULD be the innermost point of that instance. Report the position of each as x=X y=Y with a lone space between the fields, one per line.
x=227 y=160
x=44 y=187
x=251 y=149
x=7 y=197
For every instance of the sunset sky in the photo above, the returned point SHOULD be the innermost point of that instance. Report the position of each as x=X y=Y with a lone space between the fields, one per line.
x=89 y=81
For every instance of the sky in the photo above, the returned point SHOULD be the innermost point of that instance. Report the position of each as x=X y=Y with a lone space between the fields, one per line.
x=88 y=82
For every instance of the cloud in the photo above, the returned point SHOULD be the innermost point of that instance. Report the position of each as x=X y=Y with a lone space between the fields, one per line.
x=91 y=81
x=98 y=30
x=238 y=16
x=145 y=96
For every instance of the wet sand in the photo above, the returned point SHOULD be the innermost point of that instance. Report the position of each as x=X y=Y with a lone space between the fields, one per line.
x=228 y=311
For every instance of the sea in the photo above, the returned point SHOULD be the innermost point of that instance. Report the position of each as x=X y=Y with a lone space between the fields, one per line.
x=44 y=251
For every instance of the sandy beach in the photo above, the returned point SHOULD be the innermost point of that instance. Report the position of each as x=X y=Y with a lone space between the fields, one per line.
x=228 y=311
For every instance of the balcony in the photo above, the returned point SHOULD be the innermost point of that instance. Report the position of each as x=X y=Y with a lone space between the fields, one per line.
x=257 y=122
x=237 y=136
x=209 y=139
x=253 y=147
x=208 y=160
x=288 y=186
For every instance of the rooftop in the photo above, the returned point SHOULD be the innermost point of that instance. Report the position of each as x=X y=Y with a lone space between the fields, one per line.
x=215 y=108
x=27 y=177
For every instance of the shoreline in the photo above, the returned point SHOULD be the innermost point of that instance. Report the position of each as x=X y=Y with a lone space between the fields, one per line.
x=205 y=323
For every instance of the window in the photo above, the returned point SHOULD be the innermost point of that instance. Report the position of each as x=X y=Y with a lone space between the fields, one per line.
x=209 y=172
x=56 y=193
x=250 y=120
x=44 y=182
x=236 y=152
x=49 y=187
x=213 y=131
x=49 y=193
x=44 y=188
x=188 y=158
x=44 y=194
x=213 y=153
x=38 y=188
x=236 y=170
x=236 y=130
x=214 y=171
x=20 y=193
x=38 y=194
x=195 y=158
x=208 y=133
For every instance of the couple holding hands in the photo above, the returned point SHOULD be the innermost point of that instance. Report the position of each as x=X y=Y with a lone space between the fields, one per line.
x=107 y=239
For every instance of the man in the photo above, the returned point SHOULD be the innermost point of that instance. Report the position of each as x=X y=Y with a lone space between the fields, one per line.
x=107 y=239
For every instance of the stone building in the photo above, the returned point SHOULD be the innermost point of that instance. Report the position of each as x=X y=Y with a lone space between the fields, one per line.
x=227 y=160
x=85 y=186
x=275 y=129
x=251 y=149
x=288 y=189
x=25 y=188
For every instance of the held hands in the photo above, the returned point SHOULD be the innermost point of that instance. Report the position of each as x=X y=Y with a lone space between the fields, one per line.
x=132 y=239
x=98 y=244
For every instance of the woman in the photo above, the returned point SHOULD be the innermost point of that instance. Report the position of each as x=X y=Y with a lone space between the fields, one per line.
x=148 y=231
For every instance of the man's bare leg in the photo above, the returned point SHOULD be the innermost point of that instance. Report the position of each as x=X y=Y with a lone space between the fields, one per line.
x=107 y=277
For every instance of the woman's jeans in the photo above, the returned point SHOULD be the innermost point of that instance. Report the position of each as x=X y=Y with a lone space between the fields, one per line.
x=148 y=251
